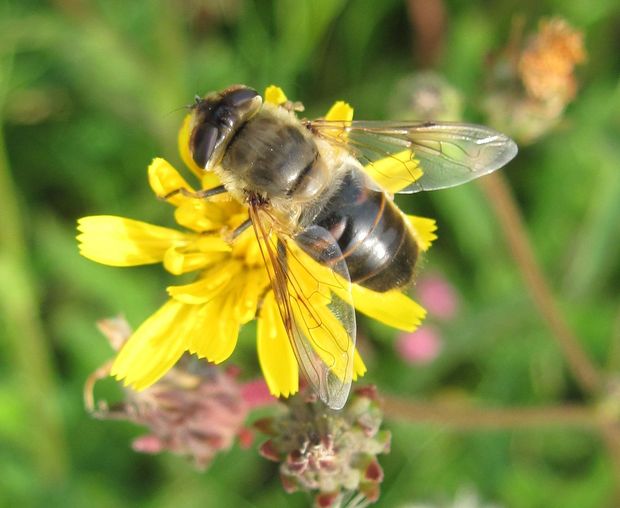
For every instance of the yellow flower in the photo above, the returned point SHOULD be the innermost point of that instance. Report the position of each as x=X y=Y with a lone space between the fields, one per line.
x=204 y=317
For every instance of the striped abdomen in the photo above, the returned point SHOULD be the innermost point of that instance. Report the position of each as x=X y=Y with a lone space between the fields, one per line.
x=377 y=245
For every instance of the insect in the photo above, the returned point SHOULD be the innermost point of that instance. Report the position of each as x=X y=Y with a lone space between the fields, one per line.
x=319 y=199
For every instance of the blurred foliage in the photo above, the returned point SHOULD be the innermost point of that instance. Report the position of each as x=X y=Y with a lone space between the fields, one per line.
x=91 y=91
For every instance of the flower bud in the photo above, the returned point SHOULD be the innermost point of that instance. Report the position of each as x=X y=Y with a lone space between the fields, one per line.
x=426 y=96
x=329 y=453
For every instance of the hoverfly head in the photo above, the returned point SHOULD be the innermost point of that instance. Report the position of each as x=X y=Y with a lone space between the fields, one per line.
x=216 y=119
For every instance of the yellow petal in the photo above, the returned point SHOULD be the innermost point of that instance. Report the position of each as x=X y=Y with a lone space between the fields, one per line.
x=395 y=172
x=211 y=244
x=179 y=260
x=155 y=346
x=200 y=335
x=392 y=307
x=183 y=139
x=251 y=290
x=359 y=369
x=341 y=112
x=423 y=230
x=118 y=241
x=200 y=215
x=247 y=247
x=275 y=354
x=209 y=180
x=228 y=329
x=275 y=95
x=210 y=284
x=164 y=179
x=215 y=331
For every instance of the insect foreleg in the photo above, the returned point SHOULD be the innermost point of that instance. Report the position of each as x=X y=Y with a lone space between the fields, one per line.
x=201 y=194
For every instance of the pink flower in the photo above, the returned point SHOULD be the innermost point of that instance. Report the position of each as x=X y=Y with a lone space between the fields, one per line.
x=196 y=410
x=438 y=296
x=255 y=393
x=421 y=346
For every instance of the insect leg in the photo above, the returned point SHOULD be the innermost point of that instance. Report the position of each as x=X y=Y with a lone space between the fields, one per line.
x=241 y=228
x=282 y=252
x=201 y=194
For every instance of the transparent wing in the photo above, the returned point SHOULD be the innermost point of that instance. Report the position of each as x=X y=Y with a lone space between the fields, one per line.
x=411 y=157
x=315 y=303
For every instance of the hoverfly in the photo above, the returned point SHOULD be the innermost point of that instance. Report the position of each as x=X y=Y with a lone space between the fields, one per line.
x=319 y=200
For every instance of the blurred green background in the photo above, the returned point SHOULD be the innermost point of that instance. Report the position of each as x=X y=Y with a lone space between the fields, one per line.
x=91 y=91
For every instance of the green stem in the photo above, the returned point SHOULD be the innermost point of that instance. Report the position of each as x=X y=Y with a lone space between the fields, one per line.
x=28 y=349
x=467 y=417
x=501 y=199
x=611 y=435
x=613 y=362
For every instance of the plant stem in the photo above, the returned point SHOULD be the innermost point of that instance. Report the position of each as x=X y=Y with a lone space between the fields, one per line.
x=428 y=21
x=29 y=354
x=613 y=362
x=611 y=435
x=467 y=417
x=499 y=195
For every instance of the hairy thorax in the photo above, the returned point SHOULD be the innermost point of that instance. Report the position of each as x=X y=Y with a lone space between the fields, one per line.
x=275 y=157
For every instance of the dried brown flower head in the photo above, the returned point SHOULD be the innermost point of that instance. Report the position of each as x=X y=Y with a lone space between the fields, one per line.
x=547 y=64
x=195 y=410
x=531 y=83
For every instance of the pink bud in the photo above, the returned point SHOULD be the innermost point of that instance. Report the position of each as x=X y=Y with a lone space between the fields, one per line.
x=419 y=347
x=368 y=391
x=326 y=500
x=269 y=451
x=246 y=438
x=147 y=444
x=288 y=483
x=256 y=393
x=438 y=296
x=373 y=472
x=370 y=490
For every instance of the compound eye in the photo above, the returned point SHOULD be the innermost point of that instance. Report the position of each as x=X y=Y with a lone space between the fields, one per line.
x=241 y=97
x=224 y=116
x=204 y=140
